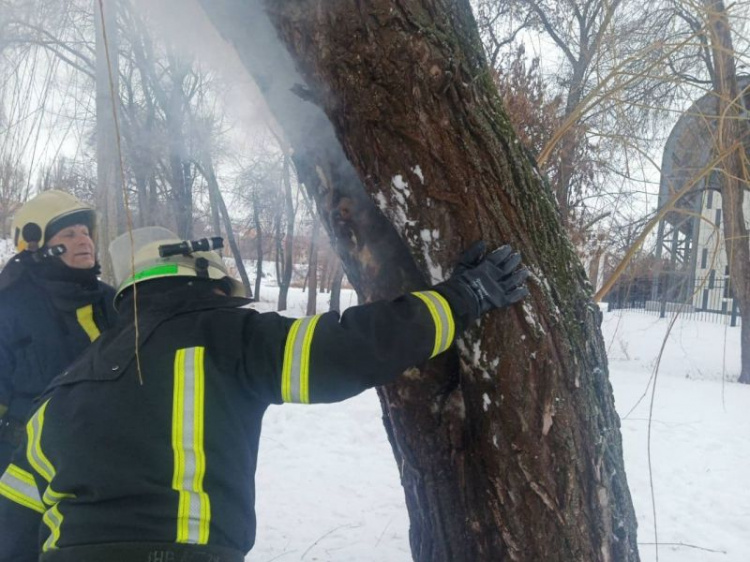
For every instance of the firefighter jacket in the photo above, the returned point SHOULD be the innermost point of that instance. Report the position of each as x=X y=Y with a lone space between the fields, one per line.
x=49 y=314
x=161 y=447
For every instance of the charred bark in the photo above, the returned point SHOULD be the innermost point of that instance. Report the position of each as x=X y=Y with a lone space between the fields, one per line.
x=509 y=447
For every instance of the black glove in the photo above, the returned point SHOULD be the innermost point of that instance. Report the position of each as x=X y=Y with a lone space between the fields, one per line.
x=493 y=280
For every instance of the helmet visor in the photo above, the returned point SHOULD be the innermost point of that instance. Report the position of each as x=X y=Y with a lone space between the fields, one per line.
x=123 y=249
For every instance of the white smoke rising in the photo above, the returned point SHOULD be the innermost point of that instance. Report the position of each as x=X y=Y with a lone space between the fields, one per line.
x=184 y=25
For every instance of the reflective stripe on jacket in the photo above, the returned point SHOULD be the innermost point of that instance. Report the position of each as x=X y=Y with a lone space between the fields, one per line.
x=162 y=447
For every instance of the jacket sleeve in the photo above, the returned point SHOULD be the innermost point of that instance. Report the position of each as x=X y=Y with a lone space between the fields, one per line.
x=331 y=357
x=21 y=510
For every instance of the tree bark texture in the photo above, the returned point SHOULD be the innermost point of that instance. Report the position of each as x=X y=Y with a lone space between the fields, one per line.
x=509 y=446
x=729 y=137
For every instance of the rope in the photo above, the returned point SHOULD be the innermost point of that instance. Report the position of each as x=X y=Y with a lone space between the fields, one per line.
x=129 y=216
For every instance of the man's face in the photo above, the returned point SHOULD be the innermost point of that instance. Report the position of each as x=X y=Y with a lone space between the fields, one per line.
x=79 y=247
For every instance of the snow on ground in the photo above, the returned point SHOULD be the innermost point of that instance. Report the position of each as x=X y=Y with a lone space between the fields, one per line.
x=6 y=251
x=328 y=487
x=700 y=451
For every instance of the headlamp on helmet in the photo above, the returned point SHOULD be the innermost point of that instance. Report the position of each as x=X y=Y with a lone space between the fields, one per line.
x=154 y=252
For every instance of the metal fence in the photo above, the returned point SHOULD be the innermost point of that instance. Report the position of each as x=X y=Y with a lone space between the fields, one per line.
x=710 y=301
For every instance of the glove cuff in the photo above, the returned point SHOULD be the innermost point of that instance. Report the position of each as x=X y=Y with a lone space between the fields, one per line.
x=462 y=301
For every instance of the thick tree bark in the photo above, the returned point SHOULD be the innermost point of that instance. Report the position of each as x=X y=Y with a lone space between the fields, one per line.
x=509 y=447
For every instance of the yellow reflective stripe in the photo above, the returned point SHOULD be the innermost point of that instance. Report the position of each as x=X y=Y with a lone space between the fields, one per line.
x=204 y=515
x=445 y=308
x=34 y=454
x=194 y=505
x=85 y=316
x=51 y=497
x=19 y=486
x=39 y=462
x=53 y=519
x=295 y=373
x=442 y=317
x=177 y=433
x=286 y=373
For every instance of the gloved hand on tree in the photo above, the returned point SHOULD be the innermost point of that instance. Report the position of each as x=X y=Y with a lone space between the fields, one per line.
x=487 y=281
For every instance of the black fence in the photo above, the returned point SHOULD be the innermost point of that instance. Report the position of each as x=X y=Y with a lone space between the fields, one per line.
x=710 y=299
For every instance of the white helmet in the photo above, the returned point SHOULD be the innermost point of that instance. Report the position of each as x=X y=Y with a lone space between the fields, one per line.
x=46 y=214
x=141 y=261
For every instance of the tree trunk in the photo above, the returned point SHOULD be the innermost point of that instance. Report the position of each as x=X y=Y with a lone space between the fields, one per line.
x=108 y=171
x=312 y=270
x=219 y=209
x=509 y=447
x=258 y=244
x=285 y=279
x=214 y=208
x=338 y=277
x=734 y=179
x=324 y=266
x=595 y=266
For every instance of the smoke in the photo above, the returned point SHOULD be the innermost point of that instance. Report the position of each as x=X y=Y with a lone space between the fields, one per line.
x=184 y=25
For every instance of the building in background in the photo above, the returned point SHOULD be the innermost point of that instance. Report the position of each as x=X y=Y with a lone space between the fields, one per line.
x=690 y=251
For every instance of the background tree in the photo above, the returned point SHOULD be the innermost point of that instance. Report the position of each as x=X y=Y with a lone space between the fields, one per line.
x=604 y=61
x=168 y=107
x=731 y=138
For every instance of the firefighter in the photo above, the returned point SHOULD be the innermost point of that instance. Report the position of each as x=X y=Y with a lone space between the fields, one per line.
x=52 y=305
x=146 y=448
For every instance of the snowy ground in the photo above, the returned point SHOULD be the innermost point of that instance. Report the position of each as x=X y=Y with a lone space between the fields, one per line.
x=328 y=488
x=6 y=251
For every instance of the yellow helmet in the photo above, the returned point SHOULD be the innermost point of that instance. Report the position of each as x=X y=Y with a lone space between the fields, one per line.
x=141 y=261
x=43 y=216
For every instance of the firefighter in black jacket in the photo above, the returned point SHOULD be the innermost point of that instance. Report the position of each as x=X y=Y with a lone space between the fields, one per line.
x=145 y=449
x=52 y=306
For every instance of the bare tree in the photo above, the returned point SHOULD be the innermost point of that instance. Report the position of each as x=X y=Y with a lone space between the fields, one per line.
x=312 y=270
x=12 y=187
x=731 y=139
x=608 y=61
x=219 y=208
x=287 y=251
